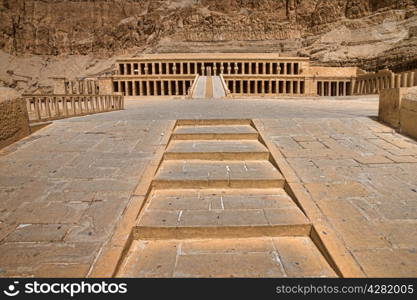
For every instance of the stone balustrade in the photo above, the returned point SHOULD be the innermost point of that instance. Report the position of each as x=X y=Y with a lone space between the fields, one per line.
x=224 y=84
x=190 y=91
x=53 y=107
x=374 y=83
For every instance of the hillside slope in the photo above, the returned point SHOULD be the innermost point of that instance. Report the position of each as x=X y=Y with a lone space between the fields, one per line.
x=43 y=38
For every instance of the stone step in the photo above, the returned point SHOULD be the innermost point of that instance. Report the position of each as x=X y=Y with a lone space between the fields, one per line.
x=215 y=132
x=175 y=174
x=211 y=122
x=273 y=257
x=220 y=213
x=217 y=150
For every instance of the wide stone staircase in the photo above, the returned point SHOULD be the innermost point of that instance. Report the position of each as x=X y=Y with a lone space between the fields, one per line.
x=218 y=208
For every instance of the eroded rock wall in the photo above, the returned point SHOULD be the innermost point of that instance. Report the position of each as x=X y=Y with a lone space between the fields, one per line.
x=52 y=27
x=44 y=35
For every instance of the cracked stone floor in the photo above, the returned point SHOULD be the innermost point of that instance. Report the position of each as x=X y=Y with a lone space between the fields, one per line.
x=64 y=189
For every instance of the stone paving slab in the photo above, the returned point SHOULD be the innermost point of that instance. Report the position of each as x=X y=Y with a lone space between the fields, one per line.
x=382 y=204
x=256 y=257
x=363 y=181
x=63 y=190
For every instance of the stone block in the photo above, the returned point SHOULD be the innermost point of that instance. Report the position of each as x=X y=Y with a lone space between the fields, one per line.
x=14 y=121
x=408 y=113
x=389 y=106
x=105 y=85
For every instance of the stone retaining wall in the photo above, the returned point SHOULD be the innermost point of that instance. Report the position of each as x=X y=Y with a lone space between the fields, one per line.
x=14 y=121
x=408 y=113
x=398 y=108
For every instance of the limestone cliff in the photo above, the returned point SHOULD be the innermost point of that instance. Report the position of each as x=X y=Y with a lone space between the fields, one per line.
x=367 y=33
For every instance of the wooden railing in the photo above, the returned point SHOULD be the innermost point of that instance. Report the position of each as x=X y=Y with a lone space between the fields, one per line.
x=54 y=107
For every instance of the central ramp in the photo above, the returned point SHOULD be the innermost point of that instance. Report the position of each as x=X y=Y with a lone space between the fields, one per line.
x=218 y=207
x=209 y=87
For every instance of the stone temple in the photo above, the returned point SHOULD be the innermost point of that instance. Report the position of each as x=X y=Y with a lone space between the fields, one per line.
x=183 y=75
x=291 y=154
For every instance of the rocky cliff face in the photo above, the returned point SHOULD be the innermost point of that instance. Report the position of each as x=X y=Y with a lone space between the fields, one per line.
x=367 y=33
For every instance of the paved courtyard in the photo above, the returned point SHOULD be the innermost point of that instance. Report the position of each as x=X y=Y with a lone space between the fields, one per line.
x=64 y=189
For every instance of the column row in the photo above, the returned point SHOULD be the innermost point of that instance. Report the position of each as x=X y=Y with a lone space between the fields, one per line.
x=216 y=68
x=334 y=88
x=296 y=87
x=153 y=87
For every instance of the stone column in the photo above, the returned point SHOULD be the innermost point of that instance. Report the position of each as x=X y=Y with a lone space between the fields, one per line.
x=411 y=79
x=352 y=86
x=170 y=88
x=181 y=68
x=140 y=88
x=392 y=81
x=257 y=68
x=188 y=68
x=285 y=68
x=148 y=88
x=134 y=88
x=221 y=68
x=397 y=80
x=176 y=88
x=250 y=68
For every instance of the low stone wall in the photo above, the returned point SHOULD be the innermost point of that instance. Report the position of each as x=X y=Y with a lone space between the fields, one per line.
x=398 y=108
x=389 y=106
x=14 y=121
x=408 y=113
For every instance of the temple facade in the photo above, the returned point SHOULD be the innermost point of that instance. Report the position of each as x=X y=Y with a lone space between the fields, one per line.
x=249 y=74
x=237 y=75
